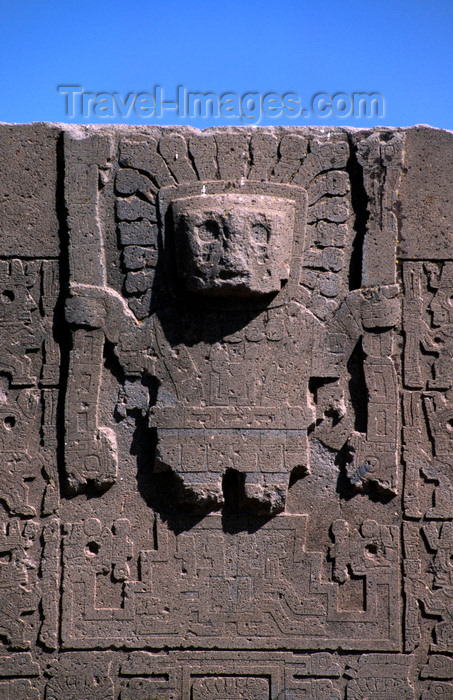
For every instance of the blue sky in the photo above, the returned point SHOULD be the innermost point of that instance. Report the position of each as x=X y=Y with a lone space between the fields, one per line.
x=401 y=50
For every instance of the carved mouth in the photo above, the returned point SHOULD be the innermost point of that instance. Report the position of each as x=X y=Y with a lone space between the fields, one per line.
x=231 y=274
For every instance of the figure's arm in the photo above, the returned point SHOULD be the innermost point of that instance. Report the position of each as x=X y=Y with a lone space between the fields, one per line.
x=96 y=314
x=368 y=314
x=375 y=458
x=95 y=307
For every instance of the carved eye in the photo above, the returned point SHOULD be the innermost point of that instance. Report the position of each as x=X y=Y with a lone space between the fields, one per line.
x=92 y=549
x=371 y=549
x=260 y=234
x=7 y=296
x=209 y=231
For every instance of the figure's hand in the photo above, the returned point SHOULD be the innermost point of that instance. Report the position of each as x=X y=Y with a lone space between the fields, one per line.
x=98 y=307
x=83 y=310
x=380 y=306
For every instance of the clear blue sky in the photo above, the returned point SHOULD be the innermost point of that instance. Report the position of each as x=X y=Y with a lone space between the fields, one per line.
x=401 y=49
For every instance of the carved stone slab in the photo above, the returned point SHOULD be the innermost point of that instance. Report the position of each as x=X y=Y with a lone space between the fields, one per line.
x=226 y=413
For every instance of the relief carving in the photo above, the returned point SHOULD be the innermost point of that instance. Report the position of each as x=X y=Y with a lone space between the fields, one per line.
x=226 y=414
x=221 y=308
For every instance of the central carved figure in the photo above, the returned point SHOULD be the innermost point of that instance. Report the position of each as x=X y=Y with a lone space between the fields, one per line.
x=244 y=370
x=228 y=404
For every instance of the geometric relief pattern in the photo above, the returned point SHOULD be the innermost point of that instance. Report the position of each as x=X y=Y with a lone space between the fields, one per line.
x=243 y=590
x=427 y=438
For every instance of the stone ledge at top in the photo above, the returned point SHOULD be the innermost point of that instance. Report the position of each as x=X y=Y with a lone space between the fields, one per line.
x=30 y=183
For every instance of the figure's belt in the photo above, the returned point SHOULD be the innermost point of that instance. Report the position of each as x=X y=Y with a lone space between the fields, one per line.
x=231 y=417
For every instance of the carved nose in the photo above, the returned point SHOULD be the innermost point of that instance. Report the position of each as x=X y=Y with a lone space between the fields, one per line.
x=229 y=237
x=231 y=254
x=233 y=263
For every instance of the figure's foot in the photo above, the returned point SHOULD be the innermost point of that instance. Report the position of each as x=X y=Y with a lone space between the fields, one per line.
x=200 y=497
x=265 y=499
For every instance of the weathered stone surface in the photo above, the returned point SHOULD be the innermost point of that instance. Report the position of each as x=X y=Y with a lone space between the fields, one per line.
x=226 y=410
x=29 y=223
x=426 y=227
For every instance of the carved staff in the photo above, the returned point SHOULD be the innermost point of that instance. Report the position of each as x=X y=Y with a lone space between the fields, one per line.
x=90 y=450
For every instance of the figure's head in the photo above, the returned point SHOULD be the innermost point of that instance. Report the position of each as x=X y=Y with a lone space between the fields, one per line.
x=233 y=244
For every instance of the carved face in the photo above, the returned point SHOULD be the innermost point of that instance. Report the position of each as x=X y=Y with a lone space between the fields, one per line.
x=16 y=303
x=441 y=306
x=233 y=244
